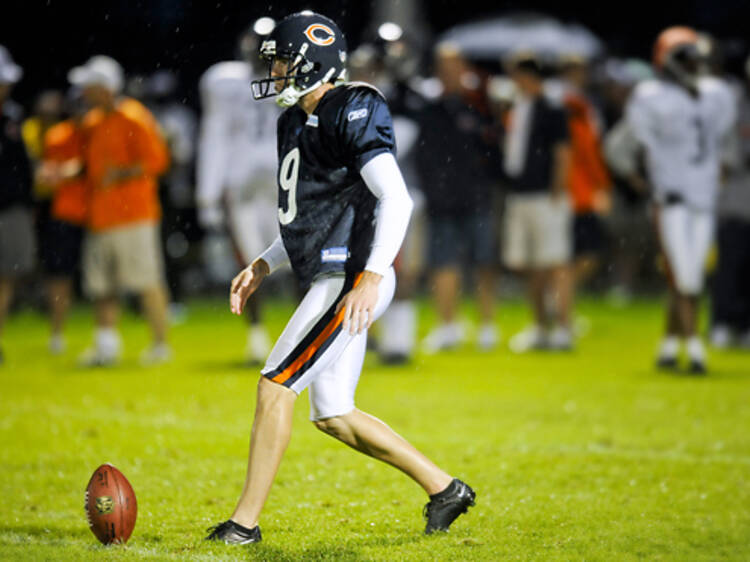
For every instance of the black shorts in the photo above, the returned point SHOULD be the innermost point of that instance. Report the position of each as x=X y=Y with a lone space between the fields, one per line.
x=589 y=236
x=454 y=240
x=60 y=247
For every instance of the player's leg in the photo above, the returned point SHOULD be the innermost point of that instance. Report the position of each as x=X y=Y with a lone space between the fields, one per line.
x=671 y=227
x=312 y=340
x=100 y=285
x=272 y=429
x=333 y=412
x=701 y=227
x=553 y=238
x=446 y=283
x=519 y=256
x=140 y=269
x=59 y=295
x=482 y=249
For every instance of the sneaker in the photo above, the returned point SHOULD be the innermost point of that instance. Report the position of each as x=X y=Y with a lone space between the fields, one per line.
x=527 y=340
x=444 y=337
x=230 y=532
x=488 y=337
x=158 y=354
x=444 y=507
x=560 y=339
x=258 y=345
x=95 y=357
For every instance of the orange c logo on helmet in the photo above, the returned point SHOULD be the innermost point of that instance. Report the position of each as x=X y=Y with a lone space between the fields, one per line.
x=320 y=34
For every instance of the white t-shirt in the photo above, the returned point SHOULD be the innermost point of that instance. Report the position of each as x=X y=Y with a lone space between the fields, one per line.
x=237 y=147
x=682 y=136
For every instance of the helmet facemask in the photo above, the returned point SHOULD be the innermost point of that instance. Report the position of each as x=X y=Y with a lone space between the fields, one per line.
x=290 y=87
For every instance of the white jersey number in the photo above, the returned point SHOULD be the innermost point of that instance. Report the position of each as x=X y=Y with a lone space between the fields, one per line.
x=288 y=174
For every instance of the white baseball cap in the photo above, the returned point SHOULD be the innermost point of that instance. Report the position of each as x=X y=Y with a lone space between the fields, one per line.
x=10 y=72
x=99 y=70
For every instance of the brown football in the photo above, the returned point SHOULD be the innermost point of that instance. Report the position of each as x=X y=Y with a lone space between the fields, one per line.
x=110 y=505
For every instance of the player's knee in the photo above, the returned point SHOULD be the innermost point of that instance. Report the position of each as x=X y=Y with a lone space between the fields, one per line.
x=335 y=426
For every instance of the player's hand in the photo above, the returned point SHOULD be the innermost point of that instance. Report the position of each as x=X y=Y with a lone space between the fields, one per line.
x=359 y=304
x=245 y=284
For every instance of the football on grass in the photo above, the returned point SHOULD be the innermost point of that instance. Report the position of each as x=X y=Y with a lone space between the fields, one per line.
x=110 y=505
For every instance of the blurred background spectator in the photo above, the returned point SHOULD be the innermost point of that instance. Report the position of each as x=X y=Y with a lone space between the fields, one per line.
x=391 y=64
x=455 y=162
x=236 y=192
x=16 y=231
x=124 y=153
x=537 y=231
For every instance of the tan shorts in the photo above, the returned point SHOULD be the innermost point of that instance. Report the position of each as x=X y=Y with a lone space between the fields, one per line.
x=537 y=231
x=123 y=259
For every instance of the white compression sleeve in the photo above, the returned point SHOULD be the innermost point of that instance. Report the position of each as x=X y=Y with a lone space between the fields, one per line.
x=275 y=255
x=383 y=177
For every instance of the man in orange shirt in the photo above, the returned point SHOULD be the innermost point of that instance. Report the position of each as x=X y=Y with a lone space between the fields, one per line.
x=589 y=182
x=123 y=155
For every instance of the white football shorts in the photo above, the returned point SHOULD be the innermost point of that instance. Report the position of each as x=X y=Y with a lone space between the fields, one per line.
x=314 y=349
x=686 y=235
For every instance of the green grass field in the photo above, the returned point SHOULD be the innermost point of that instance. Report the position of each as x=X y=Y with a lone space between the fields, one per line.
x=586 y=456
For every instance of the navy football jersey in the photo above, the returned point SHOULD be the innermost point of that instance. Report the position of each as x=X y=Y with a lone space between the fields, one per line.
x=326 y=212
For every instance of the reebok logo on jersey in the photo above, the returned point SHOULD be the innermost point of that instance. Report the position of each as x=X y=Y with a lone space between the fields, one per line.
x=357 y=114
x=338 y=254
x=312 y=121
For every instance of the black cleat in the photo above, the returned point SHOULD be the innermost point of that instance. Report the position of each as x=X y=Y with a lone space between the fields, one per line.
x=230 y=532
x=444 y=507
x=697 y=367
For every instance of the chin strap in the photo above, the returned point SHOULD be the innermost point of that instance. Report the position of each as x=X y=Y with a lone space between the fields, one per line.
x=291 y=95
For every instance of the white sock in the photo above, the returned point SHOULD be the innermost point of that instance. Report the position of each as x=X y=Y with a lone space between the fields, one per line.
x=695 y=349
x=670 y=346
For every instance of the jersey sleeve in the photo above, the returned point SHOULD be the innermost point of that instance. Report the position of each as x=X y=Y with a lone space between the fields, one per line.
x=366 y=127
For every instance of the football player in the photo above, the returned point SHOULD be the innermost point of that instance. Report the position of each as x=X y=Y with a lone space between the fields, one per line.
x=681 y=118
x=236 y=165
x=343 y=211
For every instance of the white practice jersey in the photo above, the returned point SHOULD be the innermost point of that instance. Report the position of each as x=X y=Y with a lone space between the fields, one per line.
x=682 y=136
x=237 y=147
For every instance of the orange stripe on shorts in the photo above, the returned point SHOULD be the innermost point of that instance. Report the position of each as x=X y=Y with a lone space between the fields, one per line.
x=305 y=356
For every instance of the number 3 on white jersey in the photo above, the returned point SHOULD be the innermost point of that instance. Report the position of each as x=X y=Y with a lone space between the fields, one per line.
x=288 y=174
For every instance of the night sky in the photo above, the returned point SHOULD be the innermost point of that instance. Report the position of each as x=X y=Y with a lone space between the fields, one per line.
x=47 y=37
